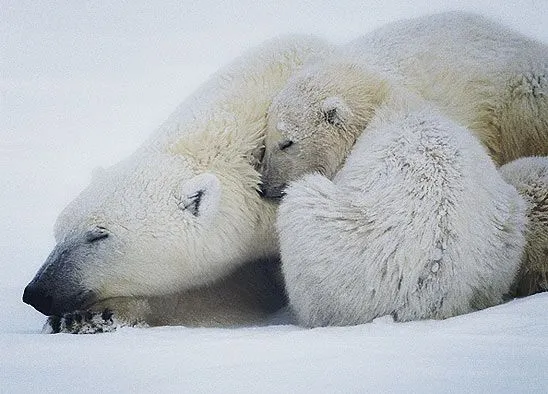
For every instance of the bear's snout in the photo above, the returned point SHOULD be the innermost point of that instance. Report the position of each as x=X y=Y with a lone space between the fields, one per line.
x=57 y=287
x=272 y=192
x=36 y=297
x=51 y=301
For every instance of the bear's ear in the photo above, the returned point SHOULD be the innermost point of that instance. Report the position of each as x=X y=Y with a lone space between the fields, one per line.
x=335 y=111
x=200 y=195
x=255 y=156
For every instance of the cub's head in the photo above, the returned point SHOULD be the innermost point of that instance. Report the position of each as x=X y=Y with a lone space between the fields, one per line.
x=146 y=227
x=315 y=120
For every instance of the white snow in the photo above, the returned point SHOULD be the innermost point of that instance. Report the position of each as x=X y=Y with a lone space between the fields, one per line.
x=82 y=85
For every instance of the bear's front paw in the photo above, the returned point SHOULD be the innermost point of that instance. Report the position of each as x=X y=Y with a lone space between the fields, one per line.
x=82 y=322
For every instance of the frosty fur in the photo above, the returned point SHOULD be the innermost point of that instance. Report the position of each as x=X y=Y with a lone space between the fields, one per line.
x=484 y=76
x=177 y=233
x=418 y=224
x=530 y=177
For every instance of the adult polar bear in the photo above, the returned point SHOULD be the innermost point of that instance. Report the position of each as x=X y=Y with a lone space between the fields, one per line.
x=484 y=76
x=177 y=233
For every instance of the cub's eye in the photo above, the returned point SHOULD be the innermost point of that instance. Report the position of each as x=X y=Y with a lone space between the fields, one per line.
x=284 y=144
x=96 y=234
x=330 y=116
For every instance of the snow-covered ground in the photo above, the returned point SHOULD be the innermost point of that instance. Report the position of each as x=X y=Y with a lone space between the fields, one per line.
x=82 y=85
x=503 y=349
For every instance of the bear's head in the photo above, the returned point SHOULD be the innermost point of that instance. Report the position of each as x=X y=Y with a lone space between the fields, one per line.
x=155 y=224
x=315 y=120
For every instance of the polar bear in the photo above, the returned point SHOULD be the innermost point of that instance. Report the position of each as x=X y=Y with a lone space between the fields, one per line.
x=177 y=232
x=530 y=177
x=485 y=77
x=418 y=224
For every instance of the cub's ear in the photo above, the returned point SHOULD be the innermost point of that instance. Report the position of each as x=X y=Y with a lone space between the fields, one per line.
x=335 y=111
x=200 y=195
x=255 y=156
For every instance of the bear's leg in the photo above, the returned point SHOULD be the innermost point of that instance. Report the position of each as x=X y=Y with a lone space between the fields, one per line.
x=246 y=296
x=523 y=117
x=529 y=175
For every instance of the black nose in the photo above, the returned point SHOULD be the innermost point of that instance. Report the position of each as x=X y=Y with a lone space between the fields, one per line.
x=38 y=299
x=272 y=192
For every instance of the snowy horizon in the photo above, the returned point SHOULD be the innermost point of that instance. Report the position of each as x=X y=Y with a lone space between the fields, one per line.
x=83 y=85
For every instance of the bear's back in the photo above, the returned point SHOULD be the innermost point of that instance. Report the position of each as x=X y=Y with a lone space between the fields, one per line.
x=483 y=75
x=452 y=42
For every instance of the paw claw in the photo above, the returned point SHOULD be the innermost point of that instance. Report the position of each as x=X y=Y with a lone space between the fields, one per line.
x=107 y=315
x=52 y=326
x=82 y=322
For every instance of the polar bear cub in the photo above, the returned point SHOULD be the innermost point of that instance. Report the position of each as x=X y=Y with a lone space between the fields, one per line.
x=418 y=224
x=317 y=117
x=530 y=177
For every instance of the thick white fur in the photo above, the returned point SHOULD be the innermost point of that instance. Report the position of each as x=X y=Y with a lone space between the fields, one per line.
x=166 y=260
x=483 y=75
x=418 y=224
x=530 y=177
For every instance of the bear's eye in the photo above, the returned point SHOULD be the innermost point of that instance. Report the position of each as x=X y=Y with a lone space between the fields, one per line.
x=96 y=234
x=193 y=205
x=330 y=116
x=285 y=144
